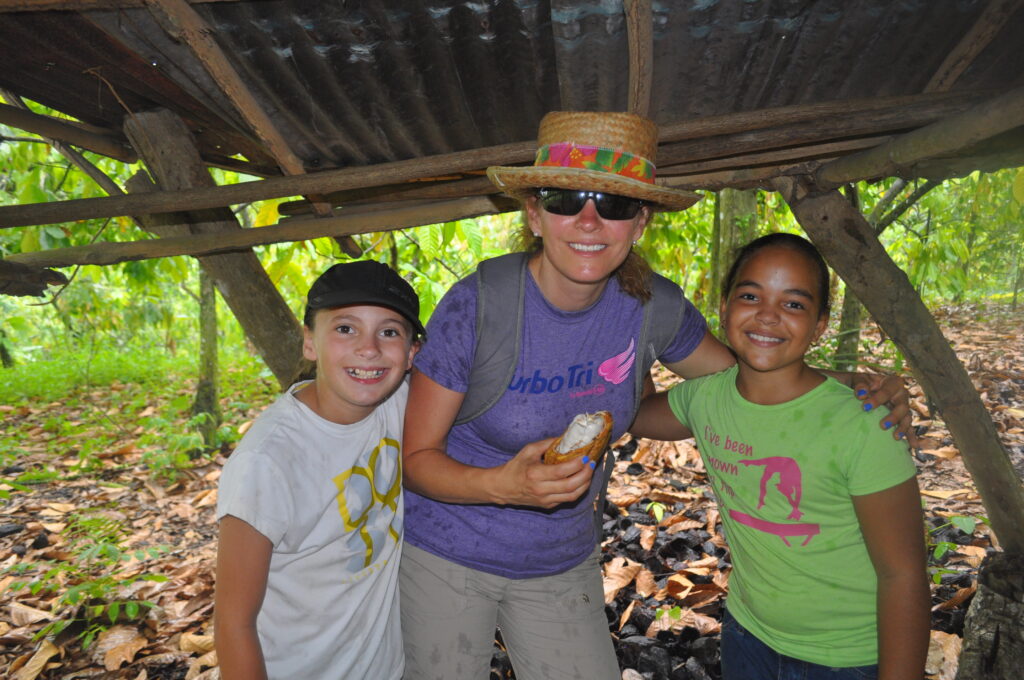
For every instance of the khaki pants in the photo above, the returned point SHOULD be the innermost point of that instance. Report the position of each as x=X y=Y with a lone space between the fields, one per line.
x=554 y=626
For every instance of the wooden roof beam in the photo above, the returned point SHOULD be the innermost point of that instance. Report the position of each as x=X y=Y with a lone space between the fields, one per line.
x=469 y=161
x=944 y=137
x=988 y=25
x=80 y=5
x=112 y=145
x=382 y=217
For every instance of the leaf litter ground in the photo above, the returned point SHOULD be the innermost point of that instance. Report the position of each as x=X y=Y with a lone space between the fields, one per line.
x=665 y=566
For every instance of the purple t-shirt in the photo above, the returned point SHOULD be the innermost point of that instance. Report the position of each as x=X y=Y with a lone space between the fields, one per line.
x=570 y=363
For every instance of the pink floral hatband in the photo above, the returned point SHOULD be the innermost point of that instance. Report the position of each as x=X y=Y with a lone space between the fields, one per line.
x=621 y=163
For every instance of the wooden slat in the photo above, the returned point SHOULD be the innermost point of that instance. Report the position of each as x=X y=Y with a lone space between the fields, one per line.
x=988 y=25
x=796 y=154
x=942 y=138
x=406 y=191
x=640 y=37
x=80 y=5
x=110 y=145
x=377 y=219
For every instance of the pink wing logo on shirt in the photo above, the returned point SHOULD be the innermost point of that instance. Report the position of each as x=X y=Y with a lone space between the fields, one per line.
x=616 y=369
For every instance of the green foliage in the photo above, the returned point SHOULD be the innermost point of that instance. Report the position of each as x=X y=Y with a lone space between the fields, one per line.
x=938 y=549
x=656 y=510
x=94 y=589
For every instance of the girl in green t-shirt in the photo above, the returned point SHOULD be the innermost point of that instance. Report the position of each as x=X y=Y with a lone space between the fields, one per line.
x=820 y=507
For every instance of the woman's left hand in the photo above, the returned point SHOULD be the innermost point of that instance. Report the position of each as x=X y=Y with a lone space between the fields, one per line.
x=874 y=390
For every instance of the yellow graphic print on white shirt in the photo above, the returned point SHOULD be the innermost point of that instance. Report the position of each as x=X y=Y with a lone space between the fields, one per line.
x=368 y=498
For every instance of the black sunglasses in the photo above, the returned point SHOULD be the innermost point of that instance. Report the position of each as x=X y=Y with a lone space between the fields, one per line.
x=569 y=202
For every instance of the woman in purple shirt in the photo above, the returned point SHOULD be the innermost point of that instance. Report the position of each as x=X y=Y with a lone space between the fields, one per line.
x=493 y=536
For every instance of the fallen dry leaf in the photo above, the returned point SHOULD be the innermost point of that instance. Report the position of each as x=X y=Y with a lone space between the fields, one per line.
x=200 y=644
x=645 y=584
x=23 y=615
x=36 y=665
x=945 y=494
x=618 y=573
x=943 y=655
x=117 y=646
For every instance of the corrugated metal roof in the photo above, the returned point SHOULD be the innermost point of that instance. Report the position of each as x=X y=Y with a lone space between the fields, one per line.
x=358 y=83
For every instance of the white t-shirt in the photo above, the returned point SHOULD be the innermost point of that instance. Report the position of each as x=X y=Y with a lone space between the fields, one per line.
x=329 y=498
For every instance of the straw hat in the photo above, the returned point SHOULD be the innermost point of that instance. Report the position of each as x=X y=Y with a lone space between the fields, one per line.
x=598 y=151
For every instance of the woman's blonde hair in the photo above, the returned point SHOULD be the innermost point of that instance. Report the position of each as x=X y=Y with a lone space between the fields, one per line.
x=633 y=275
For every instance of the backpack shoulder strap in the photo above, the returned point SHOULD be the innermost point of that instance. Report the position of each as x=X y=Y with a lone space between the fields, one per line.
x=663 y=315
x=501 y=283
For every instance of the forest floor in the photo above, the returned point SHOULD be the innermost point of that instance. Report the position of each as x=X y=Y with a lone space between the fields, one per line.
x=82 y=546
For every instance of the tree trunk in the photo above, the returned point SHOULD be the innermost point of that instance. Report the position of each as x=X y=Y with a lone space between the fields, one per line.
x=6 y=358
x=850 y=245
x=735 y=225
x=848 y=348
x=993 y=647
x=205 y=404
x=168 y=149
x=847 y=353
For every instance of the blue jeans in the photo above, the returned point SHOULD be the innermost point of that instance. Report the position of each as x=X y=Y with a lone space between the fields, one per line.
x=744 y=657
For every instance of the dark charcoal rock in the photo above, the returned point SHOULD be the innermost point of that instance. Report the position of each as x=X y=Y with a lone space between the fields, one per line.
x=9 y=529
x=635 y=469
x=696 y=670
x=641 y=517
x=630 y=648
x=705 y=650
x=631 y=535
x=641 y=618
x=40 y=541
x=626 y=451
x=678 y=548
x=19 y=550
x=655 y=660
x=13 y=470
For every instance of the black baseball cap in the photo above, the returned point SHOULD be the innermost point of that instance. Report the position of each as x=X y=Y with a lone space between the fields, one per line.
x=365 y=282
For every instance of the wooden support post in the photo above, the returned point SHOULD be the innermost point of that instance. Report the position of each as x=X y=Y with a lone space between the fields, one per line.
x=165 y=144
x=849 y=244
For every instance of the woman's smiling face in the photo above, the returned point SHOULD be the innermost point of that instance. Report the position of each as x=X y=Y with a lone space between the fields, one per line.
x=582 y=249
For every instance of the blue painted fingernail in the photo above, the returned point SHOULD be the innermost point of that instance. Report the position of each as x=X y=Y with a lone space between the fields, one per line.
x=868 y=407
x=586 y=459
x=887 y=424
x=861 y=392
x=899 y=435
x=593 y=465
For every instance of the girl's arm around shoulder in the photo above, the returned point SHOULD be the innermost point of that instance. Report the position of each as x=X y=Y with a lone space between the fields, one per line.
x=428 y=470
x=655 y=420
x=893 y=530
x=710 y=356
x=874 y=390
x=243 y=563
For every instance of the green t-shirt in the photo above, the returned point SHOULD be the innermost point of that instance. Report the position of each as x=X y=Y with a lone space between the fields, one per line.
x=802 y=581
